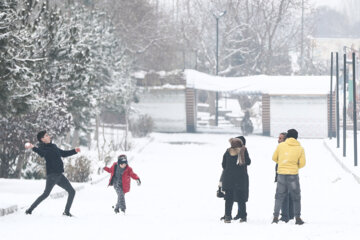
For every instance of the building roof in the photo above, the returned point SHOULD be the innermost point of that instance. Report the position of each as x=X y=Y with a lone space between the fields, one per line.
x=273 y=85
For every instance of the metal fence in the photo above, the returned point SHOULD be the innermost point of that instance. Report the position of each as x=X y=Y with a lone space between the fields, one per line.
x=346 y=95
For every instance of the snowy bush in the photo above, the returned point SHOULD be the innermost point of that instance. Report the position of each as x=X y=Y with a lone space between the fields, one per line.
x=142 y=126
x=78 y=170
x=34 y=168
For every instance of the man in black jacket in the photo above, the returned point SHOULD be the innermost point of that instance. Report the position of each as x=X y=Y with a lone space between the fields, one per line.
x=54 y=170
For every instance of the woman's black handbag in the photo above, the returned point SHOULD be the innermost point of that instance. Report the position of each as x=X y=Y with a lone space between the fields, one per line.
x=219 y=193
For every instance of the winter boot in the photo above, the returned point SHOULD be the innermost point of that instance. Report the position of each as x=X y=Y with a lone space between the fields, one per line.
x=68 y=214
x=284 y=219
x=116 y=210
x=275 y=220
x=227 y=219
x=237 y=217
x=123 y=211
x=243 y=220
x=28 y=212
x=299 y=221
x=223 y=218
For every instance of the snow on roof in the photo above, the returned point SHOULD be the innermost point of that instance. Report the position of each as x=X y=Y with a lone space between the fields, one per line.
x=274 y=85
x=139 y=74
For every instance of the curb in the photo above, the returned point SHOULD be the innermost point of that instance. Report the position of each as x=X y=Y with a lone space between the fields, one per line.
x=9 y=210
x=64 y=193
x=343 y=166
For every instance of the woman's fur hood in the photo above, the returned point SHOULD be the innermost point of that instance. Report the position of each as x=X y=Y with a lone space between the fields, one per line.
x=237 y=148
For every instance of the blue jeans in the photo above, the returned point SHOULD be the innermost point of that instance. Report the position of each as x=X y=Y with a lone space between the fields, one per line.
x=288 y=185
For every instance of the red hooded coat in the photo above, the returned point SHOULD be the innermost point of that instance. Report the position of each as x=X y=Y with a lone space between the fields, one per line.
x=125 y=177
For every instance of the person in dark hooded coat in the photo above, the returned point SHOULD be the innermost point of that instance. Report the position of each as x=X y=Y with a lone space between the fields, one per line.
x=54 y=170
x=235 y=179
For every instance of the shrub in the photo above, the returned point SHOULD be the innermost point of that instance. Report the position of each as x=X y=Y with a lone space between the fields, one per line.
x=142 y=126
x=34 y=168
x=79 y=171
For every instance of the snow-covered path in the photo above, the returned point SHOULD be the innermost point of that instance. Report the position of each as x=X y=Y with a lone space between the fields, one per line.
x=176 y=200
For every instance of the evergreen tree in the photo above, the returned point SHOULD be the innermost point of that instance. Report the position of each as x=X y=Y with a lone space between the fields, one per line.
x=15 y=66
x=32 y=102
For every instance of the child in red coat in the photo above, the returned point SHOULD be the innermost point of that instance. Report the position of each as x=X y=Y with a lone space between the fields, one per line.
x=120 y=179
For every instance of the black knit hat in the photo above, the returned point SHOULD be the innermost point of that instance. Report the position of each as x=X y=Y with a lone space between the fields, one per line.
x=40 y=135
x=122 y=159
x=242 y=139
x=292 y=133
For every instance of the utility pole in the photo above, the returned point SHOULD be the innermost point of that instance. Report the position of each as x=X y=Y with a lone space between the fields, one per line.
x=354 y=110
x=337 y=103
x=302 y=38
x=331 y=96
x=344 y=108
x=217 y=64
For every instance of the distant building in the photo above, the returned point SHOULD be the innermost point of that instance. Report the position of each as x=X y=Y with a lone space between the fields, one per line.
x=300 y=102
x=162 y=97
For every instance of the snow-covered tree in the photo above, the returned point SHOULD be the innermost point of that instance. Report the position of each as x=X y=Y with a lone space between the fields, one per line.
x=23 y=62
x=144 y=32
x=15 y=82
x=15 y=65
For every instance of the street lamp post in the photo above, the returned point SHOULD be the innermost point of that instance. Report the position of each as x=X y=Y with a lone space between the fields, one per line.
x=302 y=38
x=217 y=65
x=351 y=99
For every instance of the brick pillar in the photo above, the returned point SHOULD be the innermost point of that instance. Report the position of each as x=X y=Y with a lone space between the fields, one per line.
x=266 y=114
x=333 y=105
x=190 y=109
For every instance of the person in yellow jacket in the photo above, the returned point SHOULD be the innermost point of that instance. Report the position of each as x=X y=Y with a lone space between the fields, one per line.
x=290 y=157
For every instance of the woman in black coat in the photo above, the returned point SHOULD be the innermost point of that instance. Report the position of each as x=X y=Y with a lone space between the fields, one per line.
x=235 y=179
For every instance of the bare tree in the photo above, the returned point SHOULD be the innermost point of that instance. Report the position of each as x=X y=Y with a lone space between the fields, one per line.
x=255 y=36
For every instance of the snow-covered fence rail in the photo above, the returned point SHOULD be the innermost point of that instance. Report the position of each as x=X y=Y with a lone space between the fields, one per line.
x=8 y=210
x=64 y=193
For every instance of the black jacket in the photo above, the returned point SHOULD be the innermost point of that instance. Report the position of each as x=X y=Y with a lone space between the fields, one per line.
x=52 y=155
x=235 y=178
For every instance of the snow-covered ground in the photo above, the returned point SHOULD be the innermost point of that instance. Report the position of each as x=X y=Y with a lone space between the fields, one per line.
x=347 y=162
x=176 y=200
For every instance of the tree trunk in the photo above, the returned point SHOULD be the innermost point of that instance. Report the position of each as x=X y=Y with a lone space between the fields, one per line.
x=96 y=137
x=76 y=139
x=97 y=126
x=126 y=130
x=212 y=103
x=88 y=136
x=4 y=167
x=19 y=166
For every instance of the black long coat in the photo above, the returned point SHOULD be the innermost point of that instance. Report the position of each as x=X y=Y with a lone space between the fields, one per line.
x=235 y=178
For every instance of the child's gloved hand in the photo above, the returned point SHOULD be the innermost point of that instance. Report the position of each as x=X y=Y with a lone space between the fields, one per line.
x=138 y=182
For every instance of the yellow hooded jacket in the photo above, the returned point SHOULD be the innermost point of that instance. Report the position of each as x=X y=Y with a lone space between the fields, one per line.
x=289 y=156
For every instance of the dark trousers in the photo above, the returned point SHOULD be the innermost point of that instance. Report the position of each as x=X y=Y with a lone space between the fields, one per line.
x=229 y=202
x=288 y=184
x=63 y=182
x=287 y=208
